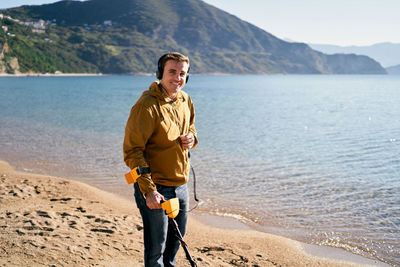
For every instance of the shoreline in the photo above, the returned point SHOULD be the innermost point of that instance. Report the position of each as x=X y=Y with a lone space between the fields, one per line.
x=51 y=74
x=53 y=208
x=152 y=74
x=314 y=250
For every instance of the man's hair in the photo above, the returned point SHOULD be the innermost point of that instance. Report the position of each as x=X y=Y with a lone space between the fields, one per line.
x=178 y=57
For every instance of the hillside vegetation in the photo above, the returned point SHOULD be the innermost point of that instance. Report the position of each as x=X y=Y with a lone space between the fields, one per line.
x=128 y=36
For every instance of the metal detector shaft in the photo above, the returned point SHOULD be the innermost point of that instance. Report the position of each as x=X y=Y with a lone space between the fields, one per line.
x=183 y=243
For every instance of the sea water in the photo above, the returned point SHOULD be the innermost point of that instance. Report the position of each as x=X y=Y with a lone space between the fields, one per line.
x=312 y=157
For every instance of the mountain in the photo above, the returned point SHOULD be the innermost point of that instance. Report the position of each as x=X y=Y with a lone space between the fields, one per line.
x=387 y=54
x=393 y=70
x=128 y=36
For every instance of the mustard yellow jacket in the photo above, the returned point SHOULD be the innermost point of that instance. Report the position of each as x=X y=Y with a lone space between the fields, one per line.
x=152 y=138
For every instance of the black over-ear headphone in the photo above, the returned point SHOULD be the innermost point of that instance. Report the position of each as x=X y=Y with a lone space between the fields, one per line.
x=160 y=69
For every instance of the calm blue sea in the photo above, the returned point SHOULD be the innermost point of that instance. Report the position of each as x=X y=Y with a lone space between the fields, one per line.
x=313 y=157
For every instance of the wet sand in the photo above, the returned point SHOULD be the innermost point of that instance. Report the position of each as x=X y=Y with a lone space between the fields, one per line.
x=49 y=221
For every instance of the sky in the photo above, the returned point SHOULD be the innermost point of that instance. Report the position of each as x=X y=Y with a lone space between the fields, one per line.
x=338 y=22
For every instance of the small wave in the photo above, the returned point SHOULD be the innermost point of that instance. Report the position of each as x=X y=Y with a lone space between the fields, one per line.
x=233 y=216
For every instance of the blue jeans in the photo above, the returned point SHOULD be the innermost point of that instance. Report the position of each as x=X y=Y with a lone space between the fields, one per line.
x=160 y=242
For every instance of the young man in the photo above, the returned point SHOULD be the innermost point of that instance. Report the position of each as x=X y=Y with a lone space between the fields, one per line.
x=159 y=132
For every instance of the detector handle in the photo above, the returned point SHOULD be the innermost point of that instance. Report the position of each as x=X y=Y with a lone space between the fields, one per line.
x=171 y=207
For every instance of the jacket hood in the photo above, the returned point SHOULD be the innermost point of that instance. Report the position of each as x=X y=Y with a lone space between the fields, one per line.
x=156 y=91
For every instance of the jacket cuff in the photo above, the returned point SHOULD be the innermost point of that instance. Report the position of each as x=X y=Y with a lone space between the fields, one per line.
x=146 y=184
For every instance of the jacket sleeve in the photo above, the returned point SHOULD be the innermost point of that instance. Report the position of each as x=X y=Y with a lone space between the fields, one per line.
x=138 y=130
x=192 y=129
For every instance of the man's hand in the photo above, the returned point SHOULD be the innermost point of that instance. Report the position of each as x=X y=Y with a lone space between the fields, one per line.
x=187 y=140
x=153 y=200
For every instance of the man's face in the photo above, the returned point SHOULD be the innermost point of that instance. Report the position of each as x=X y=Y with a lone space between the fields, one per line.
x=174 y=76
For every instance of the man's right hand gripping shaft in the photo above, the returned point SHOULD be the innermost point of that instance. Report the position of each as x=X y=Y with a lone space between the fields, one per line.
x=153 y=200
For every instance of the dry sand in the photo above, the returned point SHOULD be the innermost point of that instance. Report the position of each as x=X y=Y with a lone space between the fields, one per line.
x=48 y=221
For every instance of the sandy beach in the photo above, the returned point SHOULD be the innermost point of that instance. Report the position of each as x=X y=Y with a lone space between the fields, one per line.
x=49 y=221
